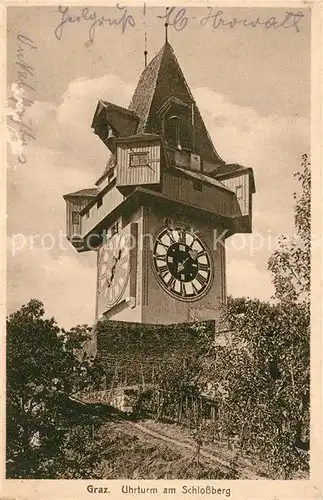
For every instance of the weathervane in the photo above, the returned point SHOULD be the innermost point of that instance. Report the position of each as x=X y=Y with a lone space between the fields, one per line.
x=166 y=25
x=145 y=52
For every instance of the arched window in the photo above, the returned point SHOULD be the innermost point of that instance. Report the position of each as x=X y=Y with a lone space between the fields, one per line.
x=186 y=133
x=178 y=132
x=177 y=123
x=173 y=131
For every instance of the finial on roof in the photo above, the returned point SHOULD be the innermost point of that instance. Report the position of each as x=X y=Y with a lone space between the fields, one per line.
x=166 y=26
x=145 y=52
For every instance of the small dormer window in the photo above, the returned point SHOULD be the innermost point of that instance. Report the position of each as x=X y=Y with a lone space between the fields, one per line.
x=110 y=132
x=177 y=123
x=139 y=159
x=115 y=228
x=75 y=217
x=173 y=131
x=239 y=192
x=197 y=185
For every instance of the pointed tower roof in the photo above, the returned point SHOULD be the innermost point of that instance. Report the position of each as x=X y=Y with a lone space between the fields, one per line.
x=142 y=98
x=161 y=80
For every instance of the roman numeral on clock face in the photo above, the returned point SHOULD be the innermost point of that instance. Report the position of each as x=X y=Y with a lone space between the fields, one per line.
x=171 y=283
x=171 y=237
x=163 y=270
x=163 y=244
x=161 y=257
x=181 y=236
x=201 y=279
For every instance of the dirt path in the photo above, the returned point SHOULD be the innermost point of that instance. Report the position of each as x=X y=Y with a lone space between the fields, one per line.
x=244 y=472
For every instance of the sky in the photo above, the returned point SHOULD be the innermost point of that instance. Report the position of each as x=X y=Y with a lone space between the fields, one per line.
x=252 y=88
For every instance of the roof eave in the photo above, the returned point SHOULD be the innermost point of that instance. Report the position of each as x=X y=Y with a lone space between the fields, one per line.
x=76 y=195
x=241 y=170
x=203 y=177
x=139 y=137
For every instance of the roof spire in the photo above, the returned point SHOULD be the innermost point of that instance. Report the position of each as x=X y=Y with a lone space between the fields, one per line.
x=145 y=52
x=166 y=25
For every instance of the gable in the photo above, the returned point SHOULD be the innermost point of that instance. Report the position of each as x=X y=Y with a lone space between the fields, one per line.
x=161 y=84
x=161 y=81
x=141 y=100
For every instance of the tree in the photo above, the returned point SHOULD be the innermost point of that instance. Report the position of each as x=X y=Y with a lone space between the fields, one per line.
x=261 y=378
x=290 y=264
x=42 y=371
x=178 y=382
x=264 y=375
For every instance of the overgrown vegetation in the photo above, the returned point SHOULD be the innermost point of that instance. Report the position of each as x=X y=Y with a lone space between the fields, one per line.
x=126 y=455
x=251 y=392
x=259 y=379
x=42 y=371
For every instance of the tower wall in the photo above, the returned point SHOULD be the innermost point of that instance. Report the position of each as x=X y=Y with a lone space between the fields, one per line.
x=123 y=311
x=160 y=307
x=153 y=304
x=164 y=167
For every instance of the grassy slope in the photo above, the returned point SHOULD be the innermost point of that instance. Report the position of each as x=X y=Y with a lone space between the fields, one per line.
x=127 y=453
x=123 y=449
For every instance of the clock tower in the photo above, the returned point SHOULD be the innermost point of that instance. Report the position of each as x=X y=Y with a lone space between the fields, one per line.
x=164 y=206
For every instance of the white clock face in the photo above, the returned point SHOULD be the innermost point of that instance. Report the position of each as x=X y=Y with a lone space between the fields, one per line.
x=114 y=270
x=182 y=263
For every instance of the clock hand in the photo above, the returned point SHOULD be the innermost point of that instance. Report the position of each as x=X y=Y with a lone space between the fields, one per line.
x=193 y=254
x=110 y=279
x=113 y=268
x=181 y=265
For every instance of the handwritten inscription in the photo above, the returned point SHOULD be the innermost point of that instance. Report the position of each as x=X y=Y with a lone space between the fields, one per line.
x=215 y=19
x=19 y=126
x=122 y=20
x=177 y=18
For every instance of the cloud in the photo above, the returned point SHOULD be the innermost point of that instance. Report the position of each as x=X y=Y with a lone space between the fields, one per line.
x=65 y=283
x=244 y=279
x=67 y=156
x=272 y=145
x=242 y=135
x=67 y=127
